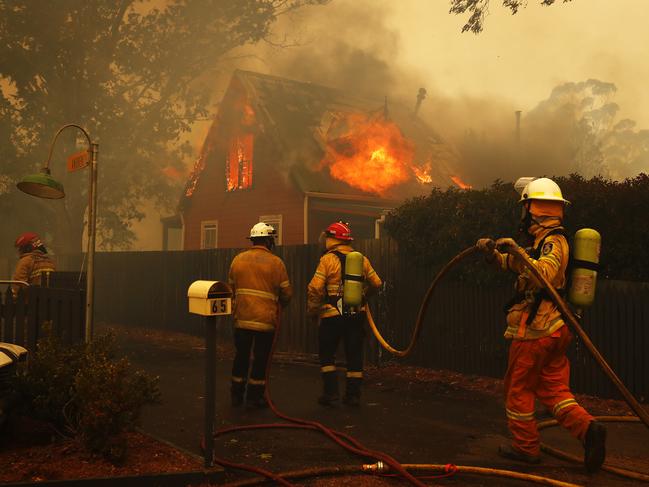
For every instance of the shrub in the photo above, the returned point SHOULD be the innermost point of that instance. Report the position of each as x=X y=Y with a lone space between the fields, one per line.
x=86 y=392
x=434 y=228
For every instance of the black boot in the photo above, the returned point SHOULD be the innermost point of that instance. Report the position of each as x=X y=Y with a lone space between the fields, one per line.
x=594 y=447
x=353 y=391
x=329 y=389
x=256 y=396
x=237 y=390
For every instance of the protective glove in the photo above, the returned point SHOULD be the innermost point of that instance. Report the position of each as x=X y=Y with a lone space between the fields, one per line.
x=486 y=245
x=503 y=243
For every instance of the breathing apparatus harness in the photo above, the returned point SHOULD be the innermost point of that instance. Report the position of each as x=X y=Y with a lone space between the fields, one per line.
x=349 y=298
x=537 y=297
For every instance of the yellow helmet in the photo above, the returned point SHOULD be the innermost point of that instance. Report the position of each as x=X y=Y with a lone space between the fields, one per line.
x=541 y=189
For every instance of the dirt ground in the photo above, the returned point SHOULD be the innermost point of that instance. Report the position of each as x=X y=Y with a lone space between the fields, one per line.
x=414 y=414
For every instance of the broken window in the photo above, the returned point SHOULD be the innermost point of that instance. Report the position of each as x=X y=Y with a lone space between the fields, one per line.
x=238 y=165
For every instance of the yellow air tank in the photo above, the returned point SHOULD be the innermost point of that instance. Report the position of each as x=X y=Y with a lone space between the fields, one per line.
x=353 y=279
x=585 y=262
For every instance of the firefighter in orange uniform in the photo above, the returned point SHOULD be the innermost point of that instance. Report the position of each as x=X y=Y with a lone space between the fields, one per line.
x=33 y=263
x=324 y=292
x=261 y=287
x=538 y=367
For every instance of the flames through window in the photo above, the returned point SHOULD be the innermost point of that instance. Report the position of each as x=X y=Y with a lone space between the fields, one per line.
x=238 y=164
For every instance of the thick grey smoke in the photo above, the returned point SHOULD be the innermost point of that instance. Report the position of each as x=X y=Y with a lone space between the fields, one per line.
x=351 y=46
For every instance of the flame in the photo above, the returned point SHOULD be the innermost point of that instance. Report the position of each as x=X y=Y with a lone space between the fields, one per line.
x=368 y=154
x=248 y=116
x=199 y=165
x=461 y=184
x=422 y=173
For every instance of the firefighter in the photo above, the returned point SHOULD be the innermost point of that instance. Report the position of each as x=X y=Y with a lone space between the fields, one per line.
x=324 y=293
x=33 y=264
x=261 y=288
x=538 y=366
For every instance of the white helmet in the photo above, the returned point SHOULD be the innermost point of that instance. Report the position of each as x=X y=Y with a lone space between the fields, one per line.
x=262 y=229
x=541 y=189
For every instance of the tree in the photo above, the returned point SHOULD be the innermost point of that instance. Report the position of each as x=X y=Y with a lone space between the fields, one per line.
x=135 y=75
x=479 y=9
x=575 y=130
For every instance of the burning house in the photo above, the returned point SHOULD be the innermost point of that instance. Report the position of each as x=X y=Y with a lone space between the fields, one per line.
x=298 y=156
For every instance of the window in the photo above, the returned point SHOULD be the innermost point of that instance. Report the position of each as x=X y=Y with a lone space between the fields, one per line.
x=238 y=164
x=209 y=234
x=274 y=221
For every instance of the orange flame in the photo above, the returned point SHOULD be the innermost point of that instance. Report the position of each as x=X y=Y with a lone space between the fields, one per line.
x=371 y=155
x=422 y=173
x=461 y=184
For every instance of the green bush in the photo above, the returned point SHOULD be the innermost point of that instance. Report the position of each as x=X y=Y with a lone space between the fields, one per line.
x=86 y=392
x=434 y=228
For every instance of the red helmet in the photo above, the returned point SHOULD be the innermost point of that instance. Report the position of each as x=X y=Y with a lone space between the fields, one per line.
x=339 y=231
x=28 y=239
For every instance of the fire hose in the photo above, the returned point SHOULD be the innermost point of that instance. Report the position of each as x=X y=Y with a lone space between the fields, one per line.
x=384 y=463
x=642 y=414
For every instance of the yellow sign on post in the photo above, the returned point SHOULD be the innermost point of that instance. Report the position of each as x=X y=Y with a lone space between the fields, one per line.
x=78 y=160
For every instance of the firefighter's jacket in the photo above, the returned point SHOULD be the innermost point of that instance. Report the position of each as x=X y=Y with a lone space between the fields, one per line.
x=552 y=263
x=30 y=268
x=327 y=282
x=260 y=285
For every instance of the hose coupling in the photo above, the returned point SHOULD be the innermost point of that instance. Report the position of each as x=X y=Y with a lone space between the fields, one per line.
x=378 y=467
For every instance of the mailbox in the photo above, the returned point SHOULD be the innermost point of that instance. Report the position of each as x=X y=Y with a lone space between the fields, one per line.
x=210 y=298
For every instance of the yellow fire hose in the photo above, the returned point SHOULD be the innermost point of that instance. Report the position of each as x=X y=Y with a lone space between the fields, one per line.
x=380 y=468
x=642 y=414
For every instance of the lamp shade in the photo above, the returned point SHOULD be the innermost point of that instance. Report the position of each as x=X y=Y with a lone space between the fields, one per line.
x=42 y=185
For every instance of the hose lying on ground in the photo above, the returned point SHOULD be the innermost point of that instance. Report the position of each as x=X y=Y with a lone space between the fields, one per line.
x=609 y=468
x=379 y=468
x=386 y=462
x=642 y=414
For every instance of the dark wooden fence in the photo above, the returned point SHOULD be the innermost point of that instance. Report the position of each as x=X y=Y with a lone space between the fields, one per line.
x=463 y=329
x=23 y=319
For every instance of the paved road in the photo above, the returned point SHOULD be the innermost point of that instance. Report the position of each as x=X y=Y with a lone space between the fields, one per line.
x=416 y=423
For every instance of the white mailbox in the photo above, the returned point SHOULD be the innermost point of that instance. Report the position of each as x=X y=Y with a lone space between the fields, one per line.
x=210 y=298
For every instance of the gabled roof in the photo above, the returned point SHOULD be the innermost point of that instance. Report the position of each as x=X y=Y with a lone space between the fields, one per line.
x=295 y=116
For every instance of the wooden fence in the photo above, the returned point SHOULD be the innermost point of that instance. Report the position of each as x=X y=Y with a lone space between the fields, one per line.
x=463 y=328
x=23 y=319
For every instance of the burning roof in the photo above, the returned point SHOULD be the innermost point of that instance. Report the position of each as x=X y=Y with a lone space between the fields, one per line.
x=332 y=142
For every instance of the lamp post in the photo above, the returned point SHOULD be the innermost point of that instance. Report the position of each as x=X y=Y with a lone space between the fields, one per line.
x=43 y=185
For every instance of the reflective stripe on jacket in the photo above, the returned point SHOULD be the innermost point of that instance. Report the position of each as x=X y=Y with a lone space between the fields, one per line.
x=327 y=278
x=260 y=284
x=552 y=263
x=30 y=268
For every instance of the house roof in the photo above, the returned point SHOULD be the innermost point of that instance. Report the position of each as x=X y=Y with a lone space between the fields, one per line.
x=296 y=115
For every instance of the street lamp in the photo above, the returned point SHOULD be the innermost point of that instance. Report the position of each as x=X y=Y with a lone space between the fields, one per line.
x=43 y=185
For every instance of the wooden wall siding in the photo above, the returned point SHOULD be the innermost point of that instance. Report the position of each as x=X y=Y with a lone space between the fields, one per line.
x=237 y=211
x=463 y=329
x=22 y=320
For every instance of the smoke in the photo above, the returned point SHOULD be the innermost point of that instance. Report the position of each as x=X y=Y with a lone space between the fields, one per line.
x=353 y=46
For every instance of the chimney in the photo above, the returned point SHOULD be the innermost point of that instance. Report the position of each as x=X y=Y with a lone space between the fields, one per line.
x=518 y=126
x=421 y=94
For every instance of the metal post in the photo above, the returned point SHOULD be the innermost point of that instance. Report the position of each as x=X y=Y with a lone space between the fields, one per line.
x=210 y=388
x=92 y=226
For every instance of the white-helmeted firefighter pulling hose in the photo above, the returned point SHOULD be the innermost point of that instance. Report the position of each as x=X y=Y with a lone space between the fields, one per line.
x=586 y=246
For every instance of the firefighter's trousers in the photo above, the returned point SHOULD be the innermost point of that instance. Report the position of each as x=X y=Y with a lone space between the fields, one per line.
x=260 y=343
x=540 y=369
x=352 y=331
